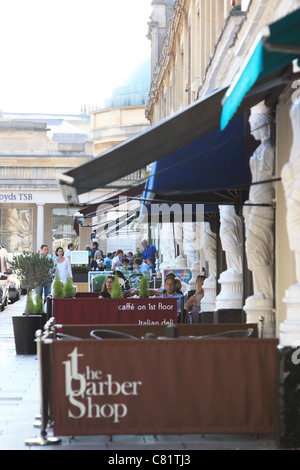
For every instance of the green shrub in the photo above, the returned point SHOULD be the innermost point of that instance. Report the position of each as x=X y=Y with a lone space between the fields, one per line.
x=144 y=291
x=58 y=288
x=39 y=304
x=99 y=280
x=34 y=270
x=68 y=289
x=116 y=291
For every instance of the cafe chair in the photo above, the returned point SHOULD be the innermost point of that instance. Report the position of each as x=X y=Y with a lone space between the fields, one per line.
x=63 y=336
x=237 y=334
x=110 y=334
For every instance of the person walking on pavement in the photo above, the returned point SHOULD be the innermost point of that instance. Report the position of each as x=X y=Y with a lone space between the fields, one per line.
x=46 y=289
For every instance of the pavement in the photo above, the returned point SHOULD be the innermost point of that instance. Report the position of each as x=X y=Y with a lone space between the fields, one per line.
x=20 y=408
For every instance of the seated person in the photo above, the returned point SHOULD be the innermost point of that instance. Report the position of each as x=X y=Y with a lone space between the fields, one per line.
x=139 y=265
x=125 y=264
x=107 y=286
x=97 y=262
x=117 y=260
x=130 y=258
x=170 y=291
x=195 y=300
x=151 y=264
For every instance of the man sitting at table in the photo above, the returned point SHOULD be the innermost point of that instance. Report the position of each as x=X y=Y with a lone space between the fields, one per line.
x=170 y=291
x=139 y=265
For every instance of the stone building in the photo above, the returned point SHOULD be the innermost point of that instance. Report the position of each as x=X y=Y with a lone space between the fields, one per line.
x=198 y=58
x=121 y=118
x=214 y=53
x=33 y=150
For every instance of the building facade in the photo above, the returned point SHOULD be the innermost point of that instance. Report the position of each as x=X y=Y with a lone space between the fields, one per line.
x=33 y=150
x=205 y=44
x=121 y=118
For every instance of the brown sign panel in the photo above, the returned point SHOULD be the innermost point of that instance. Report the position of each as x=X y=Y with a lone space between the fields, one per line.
x=164 y=386
x=115 y=311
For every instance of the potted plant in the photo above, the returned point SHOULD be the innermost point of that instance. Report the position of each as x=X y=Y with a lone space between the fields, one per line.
x=58 y=288
x=144 y=287
x=34 y=270
x=116 y=290
x=35 y=306
x=68 y=289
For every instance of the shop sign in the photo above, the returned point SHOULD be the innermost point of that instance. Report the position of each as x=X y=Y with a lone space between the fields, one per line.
x=16 y=197
x=151 y=311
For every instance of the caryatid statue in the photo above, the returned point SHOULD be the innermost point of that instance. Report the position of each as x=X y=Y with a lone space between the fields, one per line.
x=291 y=184
x=259 y=219
x=289 y=332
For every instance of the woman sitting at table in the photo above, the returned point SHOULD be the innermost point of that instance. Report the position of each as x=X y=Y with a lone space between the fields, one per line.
x=195 y=300
x=107 y=286
x=97 y=263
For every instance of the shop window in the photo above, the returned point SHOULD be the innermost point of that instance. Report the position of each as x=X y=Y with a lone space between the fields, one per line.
x=63 y=231
x=16 y=230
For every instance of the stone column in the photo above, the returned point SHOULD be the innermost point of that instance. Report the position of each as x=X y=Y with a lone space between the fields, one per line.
x=289 y=331
x=259 y=223
x=40 y=225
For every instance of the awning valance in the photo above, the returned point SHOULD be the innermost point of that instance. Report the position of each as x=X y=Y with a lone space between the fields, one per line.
x=273 y=50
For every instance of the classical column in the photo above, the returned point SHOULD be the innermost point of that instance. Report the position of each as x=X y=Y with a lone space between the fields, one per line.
x=289 y=331
x=259 y=223
x=40 y=225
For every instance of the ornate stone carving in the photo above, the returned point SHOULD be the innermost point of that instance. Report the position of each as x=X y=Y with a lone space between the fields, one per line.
x=231 y=234
x=290 y=329
x=259 y=222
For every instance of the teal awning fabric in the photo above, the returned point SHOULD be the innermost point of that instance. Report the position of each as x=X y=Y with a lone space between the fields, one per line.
x=275 y=48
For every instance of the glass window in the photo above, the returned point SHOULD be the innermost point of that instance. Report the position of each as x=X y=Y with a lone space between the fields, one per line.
x=16 y=230
x=63 y=231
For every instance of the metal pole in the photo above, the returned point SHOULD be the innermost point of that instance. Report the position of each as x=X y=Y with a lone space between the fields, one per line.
x=44 y=350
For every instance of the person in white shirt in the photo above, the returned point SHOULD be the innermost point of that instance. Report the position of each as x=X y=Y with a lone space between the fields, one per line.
x=71 y=247
x=117 y=260
x=62 y=265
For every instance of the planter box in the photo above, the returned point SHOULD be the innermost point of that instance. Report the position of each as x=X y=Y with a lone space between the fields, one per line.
x=89 y=310
x=25 y=328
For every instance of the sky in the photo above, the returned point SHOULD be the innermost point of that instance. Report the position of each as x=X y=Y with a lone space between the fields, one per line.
x=58 y=55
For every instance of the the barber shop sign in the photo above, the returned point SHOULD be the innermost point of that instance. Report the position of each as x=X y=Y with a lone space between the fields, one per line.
x=94 y=393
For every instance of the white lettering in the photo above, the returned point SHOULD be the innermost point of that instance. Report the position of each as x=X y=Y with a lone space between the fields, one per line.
x=80 y=388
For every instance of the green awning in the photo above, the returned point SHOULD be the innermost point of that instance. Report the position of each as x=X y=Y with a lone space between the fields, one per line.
x=275 y=48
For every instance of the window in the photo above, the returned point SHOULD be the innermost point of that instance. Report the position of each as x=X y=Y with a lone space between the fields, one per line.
x=16 y=230
x=63 y=232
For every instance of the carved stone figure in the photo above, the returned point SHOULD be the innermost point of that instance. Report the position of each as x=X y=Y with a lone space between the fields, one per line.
x=289 y=332
x=291 y=184
x=210 y=249
x=259 y=220
x=231 y=235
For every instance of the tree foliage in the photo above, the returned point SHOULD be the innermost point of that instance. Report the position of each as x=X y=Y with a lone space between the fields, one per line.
x=116 y=290
x=34 y=270
x=69 y=289
x=58 y=288
x=144 y=290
